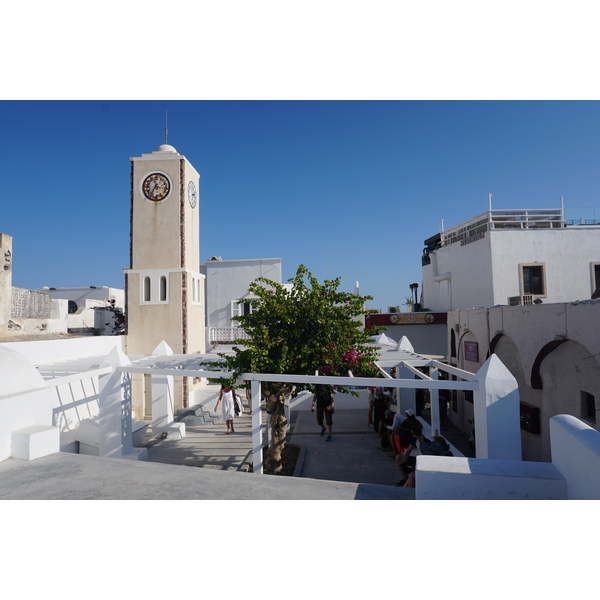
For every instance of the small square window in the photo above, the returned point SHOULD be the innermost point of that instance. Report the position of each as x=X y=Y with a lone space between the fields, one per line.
x=533 y=281
x=588 y=407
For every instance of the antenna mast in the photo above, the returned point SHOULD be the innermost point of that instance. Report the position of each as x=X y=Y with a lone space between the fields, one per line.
x=166 y=126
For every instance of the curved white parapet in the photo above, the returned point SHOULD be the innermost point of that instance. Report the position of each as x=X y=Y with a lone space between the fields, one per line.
x=575 y=451
x=17 y=374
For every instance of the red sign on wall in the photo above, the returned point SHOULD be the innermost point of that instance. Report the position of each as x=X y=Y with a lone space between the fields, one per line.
x=472 y=351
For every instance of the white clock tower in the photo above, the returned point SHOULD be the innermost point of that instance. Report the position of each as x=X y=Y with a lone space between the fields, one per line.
x=163 y=286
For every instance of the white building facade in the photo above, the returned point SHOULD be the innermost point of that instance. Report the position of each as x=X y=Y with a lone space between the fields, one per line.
x=85 y=306
x=227 y=283
x=551 y=350
x=519 y=284
x=505 y=257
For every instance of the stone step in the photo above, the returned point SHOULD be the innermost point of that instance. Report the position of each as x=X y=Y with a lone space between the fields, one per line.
x=196 y=416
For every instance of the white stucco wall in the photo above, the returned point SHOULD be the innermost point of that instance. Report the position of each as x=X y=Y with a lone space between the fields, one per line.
x=455 y=478
x=576 y=454
x=565 y=253
x=25 y=399
x=73 y=402
x=523 y=332
x=464 y=277
x=228 y=280
x=48 y=351
x=486 y=272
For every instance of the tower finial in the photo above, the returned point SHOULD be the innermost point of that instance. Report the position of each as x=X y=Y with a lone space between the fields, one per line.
x=166 y=126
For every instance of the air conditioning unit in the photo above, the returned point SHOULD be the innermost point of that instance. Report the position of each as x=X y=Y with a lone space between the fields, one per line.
x=393 y=309
x=520 y=300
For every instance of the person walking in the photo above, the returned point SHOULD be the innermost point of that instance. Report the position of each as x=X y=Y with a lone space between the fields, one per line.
x=324 y=399
x=227 y=396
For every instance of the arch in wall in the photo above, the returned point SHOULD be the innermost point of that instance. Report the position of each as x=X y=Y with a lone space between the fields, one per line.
x=536 y=380
x=507 y=351
x=147 y=289
x=467 y=336
x=570 y=376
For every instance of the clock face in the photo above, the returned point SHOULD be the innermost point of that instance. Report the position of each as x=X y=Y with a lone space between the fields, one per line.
x=192 y=195
x=156 y=187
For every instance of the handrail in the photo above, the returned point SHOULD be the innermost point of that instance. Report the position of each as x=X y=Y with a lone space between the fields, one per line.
x=504 y=219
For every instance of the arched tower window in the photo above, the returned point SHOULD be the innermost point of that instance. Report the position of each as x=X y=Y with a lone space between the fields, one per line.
x=163 y=289
x=147 y=289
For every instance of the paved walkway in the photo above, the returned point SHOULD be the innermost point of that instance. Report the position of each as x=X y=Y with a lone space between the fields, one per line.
x=206 y=446
x=354 y=455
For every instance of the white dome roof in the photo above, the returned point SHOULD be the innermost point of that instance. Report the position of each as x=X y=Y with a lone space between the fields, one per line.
x=166 y=148
x=17 y=374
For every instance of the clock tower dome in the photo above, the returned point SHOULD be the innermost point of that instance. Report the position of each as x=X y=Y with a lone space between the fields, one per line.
x=164 y=288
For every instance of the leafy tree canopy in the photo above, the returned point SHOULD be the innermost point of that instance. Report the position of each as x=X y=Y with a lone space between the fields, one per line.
x=310 y=327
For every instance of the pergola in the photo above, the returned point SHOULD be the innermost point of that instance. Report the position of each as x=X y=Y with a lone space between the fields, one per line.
x=492 y=386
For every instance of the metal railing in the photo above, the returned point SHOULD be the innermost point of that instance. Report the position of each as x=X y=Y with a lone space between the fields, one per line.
x=582 y=216
x=503 y=219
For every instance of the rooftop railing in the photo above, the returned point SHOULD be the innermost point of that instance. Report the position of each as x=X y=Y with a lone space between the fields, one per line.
x=582 y=216
x=503 y=219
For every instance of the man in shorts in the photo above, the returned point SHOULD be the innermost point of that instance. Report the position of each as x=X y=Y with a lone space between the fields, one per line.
x=324 y=399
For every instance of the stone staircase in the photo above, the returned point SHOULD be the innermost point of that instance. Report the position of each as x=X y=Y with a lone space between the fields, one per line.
x=196 y=416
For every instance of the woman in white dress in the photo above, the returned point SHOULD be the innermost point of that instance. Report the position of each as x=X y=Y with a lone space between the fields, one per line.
x=226 y=395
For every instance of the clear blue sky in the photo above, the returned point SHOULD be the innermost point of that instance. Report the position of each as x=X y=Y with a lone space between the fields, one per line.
x=348 y=188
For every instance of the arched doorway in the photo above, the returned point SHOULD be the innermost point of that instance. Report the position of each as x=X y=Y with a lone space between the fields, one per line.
x=570 y=380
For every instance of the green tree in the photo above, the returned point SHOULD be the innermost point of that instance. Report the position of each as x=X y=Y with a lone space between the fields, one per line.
x=310 y=327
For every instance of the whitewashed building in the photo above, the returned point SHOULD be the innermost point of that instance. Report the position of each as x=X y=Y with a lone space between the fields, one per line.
x=86 y=307
x=227 y=283
x=551 y=350
x=511 y=257
x=518 y=284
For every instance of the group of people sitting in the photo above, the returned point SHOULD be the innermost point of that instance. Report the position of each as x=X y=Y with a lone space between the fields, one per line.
x=403 y=434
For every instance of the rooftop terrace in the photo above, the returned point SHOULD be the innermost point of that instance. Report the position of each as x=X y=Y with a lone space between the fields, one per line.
x=542 y=218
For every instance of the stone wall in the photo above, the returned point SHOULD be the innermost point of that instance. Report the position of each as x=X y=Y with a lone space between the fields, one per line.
x=27 y=304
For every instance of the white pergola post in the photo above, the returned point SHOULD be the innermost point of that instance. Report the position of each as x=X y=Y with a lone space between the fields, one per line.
x=408 y=396
x=163 y=400
x=257 y=454
x=434 y=395
x=114 y=411
x=497 y=412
